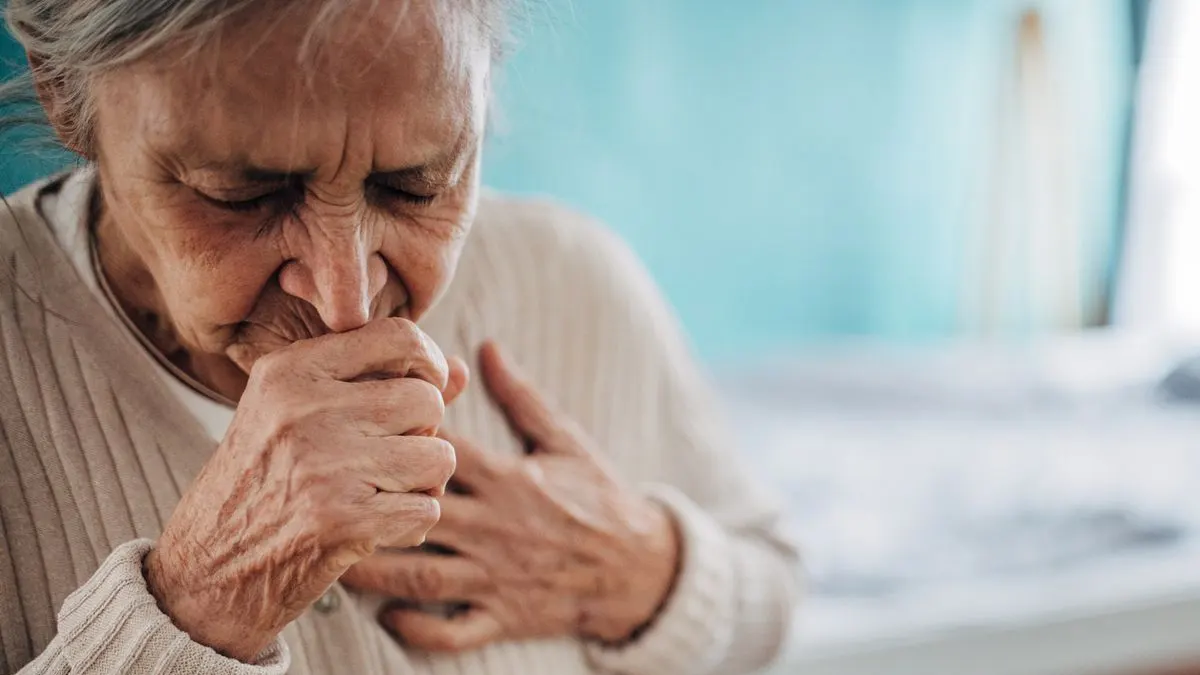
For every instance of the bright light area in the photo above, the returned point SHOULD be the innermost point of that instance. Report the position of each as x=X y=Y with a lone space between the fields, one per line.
x=1161 y=281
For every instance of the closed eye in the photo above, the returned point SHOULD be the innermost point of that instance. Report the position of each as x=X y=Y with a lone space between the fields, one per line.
x=276 y=197
x=242 y=205
x=393 y=192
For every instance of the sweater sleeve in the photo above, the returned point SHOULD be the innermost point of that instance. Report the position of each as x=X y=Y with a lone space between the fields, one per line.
x=112 y=624
x=738 y=586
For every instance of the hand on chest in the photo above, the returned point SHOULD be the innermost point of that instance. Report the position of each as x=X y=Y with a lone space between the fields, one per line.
x=536 y=537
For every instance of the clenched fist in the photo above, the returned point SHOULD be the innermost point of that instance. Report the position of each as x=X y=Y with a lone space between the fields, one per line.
x=332 y=453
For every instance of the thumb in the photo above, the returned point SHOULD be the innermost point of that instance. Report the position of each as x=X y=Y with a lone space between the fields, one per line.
x=459 y=375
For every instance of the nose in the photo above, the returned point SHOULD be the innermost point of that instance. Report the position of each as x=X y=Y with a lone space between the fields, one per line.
x=340 y=276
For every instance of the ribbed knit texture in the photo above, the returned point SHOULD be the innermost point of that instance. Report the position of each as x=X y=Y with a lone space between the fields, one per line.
x=95 y=452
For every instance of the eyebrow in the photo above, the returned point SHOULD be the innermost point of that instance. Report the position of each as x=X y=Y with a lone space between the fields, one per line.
x=427 y=173
x=437 y=168
x=442 y=166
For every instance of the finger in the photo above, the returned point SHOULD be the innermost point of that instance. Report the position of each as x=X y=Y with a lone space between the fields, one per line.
x=419 y=576
x=381 y=349
x=395 y=407
x=521 y=403
x=470 y=629
x=459 y=376
x=476 y=468
x=395 y=519
x=407 y=464
x=465 y=513
x=466 y=525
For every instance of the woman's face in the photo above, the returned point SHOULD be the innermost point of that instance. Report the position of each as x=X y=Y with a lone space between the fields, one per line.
x=255 y=199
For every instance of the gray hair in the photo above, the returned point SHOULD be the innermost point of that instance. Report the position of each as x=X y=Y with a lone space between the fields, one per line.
x=71 y=41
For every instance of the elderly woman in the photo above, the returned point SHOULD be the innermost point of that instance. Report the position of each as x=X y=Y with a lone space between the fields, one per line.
x=229 y=448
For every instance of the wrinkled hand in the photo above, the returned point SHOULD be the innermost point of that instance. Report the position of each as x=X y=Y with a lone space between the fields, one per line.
x=546 y=545
x=330 y=455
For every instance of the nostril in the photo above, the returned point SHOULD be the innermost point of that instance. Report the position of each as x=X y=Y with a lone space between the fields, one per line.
x=340 y=280
x=296 y=280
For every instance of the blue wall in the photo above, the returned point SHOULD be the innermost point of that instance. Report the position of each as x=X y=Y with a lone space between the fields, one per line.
x=797 y=170
x=20 y=163
x=793 y=170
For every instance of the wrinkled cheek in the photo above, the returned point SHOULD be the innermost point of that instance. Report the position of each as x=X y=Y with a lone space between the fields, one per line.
x=220 y=308
x=211 y=317
x=426 y=269
x=447 y=268
x=215 y=283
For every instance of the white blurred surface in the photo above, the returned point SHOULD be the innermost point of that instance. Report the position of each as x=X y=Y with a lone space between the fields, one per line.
x=1036 y=506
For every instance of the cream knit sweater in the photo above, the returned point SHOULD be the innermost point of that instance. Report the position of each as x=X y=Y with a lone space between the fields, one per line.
x=95 y=452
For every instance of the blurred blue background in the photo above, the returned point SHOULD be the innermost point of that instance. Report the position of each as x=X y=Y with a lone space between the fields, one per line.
x=796 y=171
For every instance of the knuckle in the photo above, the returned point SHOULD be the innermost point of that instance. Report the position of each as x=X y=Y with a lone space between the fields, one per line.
x=426 y=513
x=271 y=370
x=396 y=581
x=425 y=400
x=415 y=404
x=430 y=464
x=428 y=582
x=401 y=332
x=426 y=359
x=419 y=516
x=445 y=460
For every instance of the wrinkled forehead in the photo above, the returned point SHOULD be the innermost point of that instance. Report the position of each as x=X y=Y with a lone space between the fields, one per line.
x=284 y=75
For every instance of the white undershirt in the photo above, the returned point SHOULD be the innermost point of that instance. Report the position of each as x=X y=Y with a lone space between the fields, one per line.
x=67 y=214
